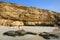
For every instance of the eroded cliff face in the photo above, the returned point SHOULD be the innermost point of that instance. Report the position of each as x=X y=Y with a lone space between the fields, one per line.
x=17 y=15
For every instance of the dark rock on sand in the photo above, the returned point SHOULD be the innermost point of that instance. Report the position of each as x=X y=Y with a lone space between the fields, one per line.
x=44 y=35
x=54 y=35
x=10 y=33
x=48 y=35
x=14 y=33
x=17 y=33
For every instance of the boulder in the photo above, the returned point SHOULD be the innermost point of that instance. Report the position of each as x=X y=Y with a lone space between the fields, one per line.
x=48 y=35
x=10 y=33
x=17 y=33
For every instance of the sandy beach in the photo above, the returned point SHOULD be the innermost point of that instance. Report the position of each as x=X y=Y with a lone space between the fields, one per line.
x=25 y=37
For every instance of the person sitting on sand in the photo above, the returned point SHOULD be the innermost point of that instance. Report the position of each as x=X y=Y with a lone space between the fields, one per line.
x=19 y=24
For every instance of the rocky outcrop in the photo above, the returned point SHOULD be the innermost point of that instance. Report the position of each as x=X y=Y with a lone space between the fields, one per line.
x=11 y=23
x=18 y=15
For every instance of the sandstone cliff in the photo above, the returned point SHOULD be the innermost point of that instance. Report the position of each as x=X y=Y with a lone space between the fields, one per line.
x=18 y=15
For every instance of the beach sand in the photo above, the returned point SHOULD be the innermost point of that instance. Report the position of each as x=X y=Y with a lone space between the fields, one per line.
x=25 y=37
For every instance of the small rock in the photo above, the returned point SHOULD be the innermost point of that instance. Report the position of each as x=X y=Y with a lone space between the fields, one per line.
x=10 y=33
x=48 y=35
x=44 y=35
x=54 y=35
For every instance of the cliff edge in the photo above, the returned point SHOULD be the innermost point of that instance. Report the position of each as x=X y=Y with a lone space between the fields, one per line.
x=18 y=15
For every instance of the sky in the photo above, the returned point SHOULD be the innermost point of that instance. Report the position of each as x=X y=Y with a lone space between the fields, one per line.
x=53 y=5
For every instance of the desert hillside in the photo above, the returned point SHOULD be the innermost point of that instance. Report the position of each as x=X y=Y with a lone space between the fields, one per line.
x=18 y=15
